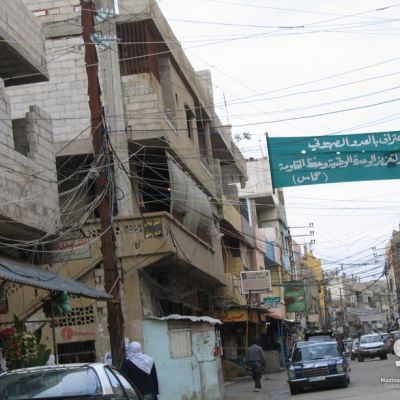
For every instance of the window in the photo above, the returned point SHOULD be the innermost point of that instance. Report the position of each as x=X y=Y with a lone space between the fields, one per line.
x=189 y=120
x=244 y=209
x=115 y=384
x=76 y=352
x=180 y=343
x=130 y=391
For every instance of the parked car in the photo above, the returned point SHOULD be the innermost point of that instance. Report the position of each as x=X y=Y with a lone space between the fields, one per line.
x=384 y=336
x=371 y=346
x=348 y=344
x=69 y=381
x=393 y=336
x=354 y=349
x=319 y=335
x=318 y=364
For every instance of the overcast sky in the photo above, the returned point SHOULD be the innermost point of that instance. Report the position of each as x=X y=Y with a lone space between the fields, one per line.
x=274 y=60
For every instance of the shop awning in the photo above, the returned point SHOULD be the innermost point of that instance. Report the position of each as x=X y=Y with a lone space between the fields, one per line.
x=19 y=272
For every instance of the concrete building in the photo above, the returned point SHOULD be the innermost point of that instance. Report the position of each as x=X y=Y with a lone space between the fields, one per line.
x=392 y=274
x=267 y=212
x=315 y=285
x=27 y=169
x=174 y=168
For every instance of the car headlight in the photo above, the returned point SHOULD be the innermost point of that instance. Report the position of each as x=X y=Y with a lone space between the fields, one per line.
x=291 y=374
x=339 y=368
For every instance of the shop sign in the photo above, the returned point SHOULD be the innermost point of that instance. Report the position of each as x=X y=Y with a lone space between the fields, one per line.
x=233 y=316
x=255 y=281
x=272 y=300
x=68 y=250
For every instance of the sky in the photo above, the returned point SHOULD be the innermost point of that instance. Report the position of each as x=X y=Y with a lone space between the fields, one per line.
x=275 y=64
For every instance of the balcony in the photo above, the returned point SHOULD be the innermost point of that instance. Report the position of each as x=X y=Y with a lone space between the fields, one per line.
x=158 y=241
x=21 y=61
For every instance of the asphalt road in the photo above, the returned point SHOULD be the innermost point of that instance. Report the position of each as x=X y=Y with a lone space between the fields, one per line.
x=366 y=384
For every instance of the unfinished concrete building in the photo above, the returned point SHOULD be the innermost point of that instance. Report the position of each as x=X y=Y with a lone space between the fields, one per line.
x=173 y=162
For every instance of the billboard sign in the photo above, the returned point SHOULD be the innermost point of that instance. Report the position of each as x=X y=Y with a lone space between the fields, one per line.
x=255 y=282
x=272 y=300
x=296 y=161
x=295 y=297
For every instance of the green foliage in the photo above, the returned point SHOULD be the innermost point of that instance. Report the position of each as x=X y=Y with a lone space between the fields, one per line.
x=43 y=355
x=58 y=304
x=21 y=347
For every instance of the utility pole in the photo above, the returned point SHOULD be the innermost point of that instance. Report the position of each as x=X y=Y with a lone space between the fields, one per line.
x=103 y=187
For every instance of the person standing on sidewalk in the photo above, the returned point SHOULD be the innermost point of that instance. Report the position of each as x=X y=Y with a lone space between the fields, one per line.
x=140 y=369
x=255 y=358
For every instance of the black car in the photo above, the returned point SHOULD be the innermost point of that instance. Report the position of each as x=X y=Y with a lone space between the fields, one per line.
x=318 y=364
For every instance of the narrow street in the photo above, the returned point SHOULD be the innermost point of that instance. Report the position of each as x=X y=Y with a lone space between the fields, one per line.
x=365 y=384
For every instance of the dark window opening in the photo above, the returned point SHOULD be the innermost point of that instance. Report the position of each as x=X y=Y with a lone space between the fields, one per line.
x=137 y=49
x=77 y=188
x=201 y=133
x=153 y=181
x=244 y=209
x=3 y=299
x=76 y=352
x=21 y=144
x=189 y=120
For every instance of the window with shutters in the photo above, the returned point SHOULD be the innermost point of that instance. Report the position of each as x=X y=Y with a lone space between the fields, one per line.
x=180 y=343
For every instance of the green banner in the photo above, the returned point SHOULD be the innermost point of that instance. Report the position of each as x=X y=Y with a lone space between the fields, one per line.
x=313 y=160
x=295 y=297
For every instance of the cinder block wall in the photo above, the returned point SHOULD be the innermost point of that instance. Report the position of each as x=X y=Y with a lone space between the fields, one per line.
x=28 y=182
x=23 y=31
x=64 y=97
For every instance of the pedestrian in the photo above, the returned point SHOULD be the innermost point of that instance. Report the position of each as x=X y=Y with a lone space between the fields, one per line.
x=255 y=358
x=141 y=371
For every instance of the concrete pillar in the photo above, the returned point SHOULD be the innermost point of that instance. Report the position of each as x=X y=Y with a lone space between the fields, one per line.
x=114 y=111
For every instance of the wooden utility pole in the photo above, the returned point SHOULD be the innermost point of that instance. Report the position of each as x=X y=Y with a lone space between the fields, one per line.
x=103 y=187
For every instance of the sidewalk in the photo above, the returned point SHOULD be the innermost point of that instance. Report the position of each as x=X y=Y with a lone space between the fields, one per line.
x=274 y=386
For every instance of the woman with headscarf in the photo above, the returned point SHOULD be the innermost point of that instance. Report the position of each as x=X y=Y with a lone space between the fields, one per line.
x=141 y=370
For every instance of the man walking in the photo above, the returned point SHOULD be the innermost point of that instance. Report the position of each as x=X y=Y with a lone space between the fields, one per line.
x=255 y=358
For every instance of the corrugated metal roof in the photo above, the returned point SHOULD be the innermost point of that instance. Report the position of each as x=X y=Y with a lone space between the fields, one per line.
x=19 y=272
x=175 y=317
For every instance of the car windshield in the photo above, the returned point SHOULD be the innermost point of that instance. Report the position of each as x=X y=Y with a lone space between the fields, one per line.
x=51 y=383
x=315 y=352
x=370 y=339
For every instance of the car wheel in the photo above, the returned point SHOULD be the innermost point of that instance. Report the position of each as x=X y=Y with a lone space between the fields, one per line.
x=360 y=359
x=383 y=356
x=294 y=389
x=353 y=357
x=345 y=383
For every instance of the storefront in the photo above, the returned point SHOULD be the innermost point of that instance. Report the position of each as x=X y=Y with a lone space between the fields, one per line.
x=241 y=324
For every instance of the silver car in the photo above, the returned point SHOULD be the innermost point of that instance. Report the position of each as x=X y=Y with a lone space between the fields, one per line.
x=69 y=381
